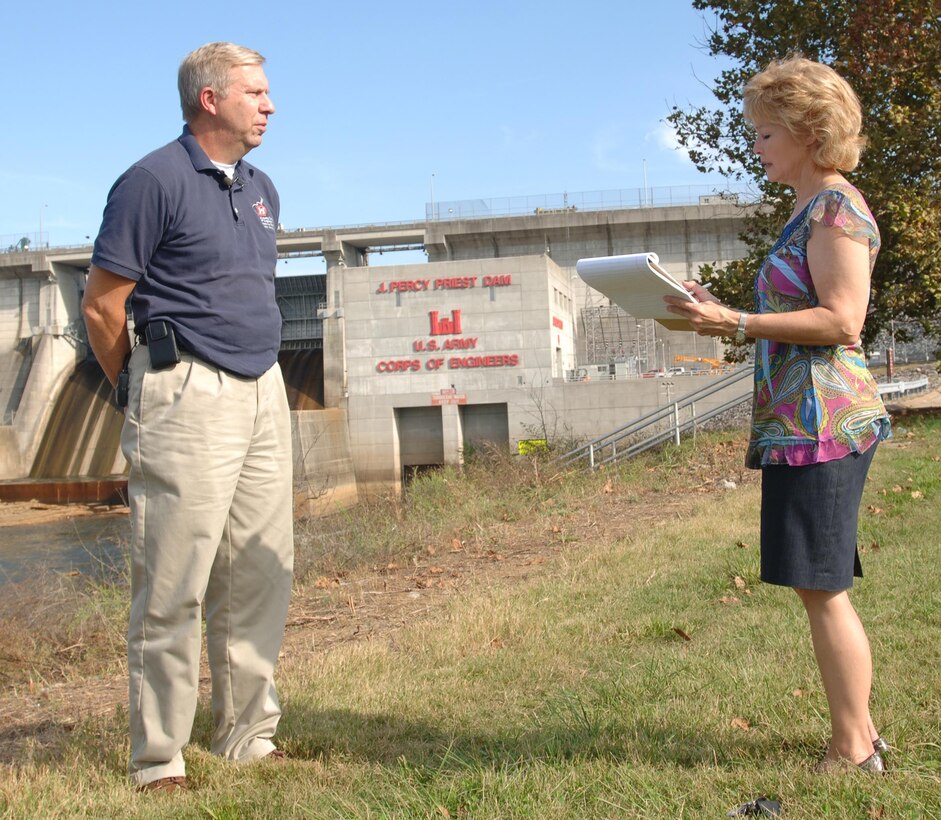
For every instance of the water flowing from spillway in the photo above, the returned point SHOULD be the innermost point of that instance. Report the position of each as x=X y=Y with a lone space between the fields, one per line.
x=83 y=436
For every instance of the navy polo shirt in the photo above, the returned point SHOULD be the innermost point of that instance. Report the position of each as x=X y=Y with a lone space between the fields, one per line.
x=203 y=254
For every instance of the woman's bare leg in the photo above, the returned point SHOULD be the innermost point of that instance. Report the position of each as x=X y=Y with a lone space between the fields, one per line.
x=845 y=662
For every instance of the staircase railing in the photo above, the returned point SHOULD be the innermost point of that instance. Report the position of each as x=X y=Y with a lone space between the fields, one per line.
x=664 y=424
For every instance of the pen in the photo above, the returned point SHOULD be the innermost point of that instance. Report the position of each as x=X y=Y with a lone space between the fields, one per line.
x=706 y=285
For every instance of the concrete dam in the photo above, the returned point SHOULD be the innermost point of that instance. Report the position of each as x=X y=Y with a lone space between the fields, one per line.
x=358 y=423
x=79 y=456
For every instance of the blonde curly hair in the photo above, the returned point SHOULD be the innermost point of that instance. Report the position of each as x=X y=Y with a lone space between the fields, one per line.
x=809 y=99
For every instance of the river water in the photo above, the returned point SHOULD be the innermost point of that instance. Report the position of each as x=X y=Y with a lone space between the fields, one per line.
x=93 y=545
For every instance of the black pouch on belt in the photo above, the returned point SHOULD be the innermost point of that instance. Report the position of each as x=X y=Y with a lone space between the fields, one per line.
x=161 y=343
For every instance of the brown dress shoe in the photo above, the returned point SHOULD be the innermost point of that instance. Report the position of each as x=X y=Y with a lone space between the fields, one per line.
x=165 y=784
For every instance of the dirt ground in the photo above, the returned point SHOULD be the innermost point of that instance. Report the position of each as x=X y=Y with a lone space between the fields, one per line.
x=369 y=605
x=27 y=513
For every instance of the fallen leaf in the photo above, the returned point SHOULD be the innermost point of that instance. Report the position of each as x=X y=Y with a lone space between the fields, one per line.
x=897 y=488
x=496 y=643
x=456 y=545
x=798 y=693
x=742 y=545
x=435 y=570
x=917 y=494
x=444 y=812
x=608 y=487
x=556 y=528
x=740 y=723
x=431 y=549
x=729 y=599
x=740 y=583
x=875 y=510
x=323 y=582
x=685 y=636
x=877 y=812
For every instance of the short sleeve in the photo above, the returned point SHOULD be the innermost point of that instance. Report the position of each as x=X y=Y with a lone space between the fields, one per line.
x=846 y=210
x=134 y=220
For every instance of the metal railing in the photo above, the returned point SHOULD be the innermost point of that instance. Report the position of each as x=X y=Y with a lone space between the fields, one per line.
x=442 y=211
x=664 y=424
x=617 y=199
x=896 y=389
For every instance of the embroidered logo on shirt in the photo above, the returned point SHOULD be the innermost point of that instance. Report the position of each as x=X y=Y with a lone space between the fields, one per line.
x=262 y=210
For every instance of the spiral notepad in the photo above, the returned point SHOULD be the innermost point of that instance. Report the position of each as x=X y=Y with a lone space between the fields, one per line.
x=637 y=283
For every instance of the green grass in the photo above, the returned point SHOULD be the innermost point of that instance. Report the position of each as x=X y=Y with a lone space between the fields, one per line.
x=634 y=677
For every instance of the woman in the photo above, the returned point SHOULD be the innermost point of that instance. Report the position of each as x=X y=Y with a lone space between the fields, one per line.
x=817 y=414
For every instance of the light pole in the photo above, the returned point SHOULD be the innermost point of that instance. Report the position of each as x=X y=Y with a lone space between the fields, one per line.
x=890 y=353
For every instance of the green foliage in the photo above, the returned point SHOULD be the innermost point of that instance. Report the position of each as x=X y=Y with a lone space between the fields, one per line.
x=889 y=51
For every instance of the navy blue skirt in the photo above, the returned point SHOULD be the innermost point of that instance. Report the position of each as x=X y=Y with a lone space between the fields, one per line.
x=809 y=519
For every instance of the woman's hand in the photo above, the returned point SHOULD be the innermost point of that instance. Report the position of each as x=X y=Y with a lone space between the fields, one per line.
x=708 y=316
x=699 y=292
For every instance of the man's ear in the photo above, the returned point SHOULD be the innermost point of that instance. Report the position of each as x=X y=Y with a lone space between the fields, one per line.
x=208 y=99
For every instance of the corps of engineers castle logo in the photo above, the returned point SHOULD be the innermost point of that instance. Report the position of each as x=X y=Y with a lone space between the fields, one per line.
x=262 y=211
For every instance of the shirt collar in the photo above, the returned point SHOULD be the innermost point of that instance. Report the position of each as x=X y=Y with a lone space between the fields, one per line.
x=198 y=157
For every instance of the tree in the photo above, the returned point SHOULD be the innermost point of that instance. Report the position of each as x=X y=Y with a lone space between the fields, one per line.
x=890 y=52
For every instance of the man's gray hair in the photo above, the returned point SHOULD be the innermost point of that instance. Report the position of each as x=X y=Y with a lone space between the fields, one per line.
x=209 y=66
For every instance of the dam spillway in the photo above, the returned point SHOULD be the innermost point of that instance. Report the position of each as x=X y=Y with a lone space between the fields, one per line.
x=79 y=459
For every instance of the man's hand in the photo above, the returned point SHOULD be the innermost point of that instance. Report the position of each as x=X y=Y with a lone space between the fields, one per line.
x=103 y=306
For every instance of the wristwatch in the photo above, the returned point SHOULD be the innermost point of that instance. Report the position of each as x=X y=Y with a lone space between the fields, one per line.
x=740 y=333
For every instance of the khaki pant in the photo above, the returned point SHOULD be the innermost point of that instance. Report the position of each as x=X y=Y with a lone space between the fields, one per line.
x=210 y=490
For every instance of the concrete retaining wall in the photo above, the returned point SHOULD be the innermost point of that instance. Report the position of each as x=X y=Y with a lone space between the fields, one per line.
x=323 y=466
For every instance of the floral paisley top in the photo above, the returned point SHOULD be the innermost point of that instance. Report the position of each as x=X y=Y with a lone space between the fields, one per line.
x=812 y=404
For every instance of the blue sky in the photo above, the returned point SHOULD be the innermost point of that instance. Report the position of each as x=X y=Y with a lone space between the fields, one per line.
x=492 y=99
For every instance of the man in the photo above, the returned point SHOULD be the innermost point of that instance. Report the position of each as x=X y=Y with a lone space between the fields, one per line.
x=189 y=235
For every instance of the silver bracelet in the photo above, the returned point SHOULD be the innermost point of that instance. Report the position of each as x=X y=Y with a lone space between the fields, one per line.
x=740 y=333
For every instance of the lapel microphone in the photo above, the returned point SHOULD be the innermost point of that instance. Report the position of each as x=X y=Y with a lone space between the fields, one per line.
x=229 y=182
